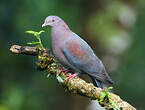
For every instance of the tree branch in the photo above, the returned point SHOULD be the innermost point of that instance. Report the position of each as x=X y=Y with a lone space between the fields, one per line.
x=76 y=85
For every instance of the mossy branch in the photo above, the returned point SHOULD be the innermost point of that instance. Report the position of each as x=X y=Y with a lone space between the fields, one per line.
x=76 y=85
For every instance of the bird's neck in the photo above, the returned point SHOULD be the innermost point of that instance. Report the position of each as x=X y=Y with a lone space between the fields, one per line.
x=60 y=30
x=59 y=33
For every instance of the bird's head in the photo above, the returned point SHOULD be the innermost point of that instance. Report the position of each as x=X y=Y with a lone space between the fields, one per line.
x=52 y=21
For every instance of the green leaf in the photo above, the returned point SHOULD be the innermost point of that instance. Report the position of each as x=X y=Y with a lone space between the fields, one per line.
x=32 y=43
x=29 y=43
x=41 y=32
x=110 y=88
x=37 y=36
x=30 y=32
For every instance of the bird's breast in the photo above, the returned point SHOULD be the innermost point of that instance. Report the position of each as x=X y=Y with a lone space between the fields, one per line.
x=58 y=39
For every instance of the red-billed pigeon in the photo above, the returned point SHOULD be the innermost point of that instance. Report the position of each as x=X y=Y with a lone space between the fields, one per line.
x=74 y=53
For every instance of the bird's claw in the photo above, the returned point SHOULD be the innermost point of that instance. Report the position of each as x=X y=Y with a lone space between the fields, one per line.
x=65 y=71
x=70 y=77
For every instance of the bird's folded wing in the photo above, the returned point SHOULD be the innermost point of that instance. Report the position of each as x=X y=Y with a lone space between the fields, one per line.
x=82 y=58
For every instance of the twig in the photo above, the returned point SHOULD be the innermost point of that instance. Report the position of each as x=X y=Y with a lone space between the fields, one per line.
x=24 y=50
x=76 y=85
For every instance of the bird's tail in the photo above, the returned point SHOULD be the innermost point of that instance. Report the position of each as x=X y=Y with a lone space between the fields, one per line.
x=96 y=82
x=107 y=77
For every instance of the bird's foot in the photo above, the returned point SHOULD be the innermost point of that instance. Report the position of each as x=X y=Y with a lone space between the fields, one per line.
x=70 y=77
x=65 y=71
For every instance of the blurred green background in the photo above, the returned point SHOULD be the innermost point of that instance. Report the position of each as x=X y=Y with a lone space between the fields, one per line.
x=115 y=29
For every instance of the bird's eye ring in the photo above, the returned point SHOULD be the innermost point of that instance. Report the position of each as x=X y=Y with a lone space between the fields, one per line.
x=53 y=20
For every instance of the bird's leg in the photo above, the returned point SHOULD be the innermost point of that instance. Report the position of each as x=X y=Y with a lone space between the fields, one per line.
x=63 y=70
x=66 y=71
x=70 y=77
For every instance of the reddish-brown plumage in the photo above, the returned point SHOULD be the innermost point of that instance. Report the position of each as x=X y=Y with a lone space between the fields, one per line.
x=75 y=49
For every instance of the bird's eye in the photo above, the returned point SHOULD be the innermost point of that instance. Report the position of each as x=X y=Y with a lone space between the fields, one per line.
x=53 y=20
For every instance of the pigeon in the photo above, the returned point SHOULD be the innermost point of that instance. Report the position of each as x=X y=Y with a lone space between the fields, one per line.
x=75 y=53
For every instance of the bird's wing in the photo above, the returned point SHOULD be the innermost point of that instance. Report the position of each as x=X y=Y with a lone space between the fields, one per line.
x=81 y=56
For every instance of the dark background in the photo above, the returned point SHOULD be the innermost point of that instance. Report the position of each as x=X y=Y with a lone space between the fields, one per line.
x=115 y=29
